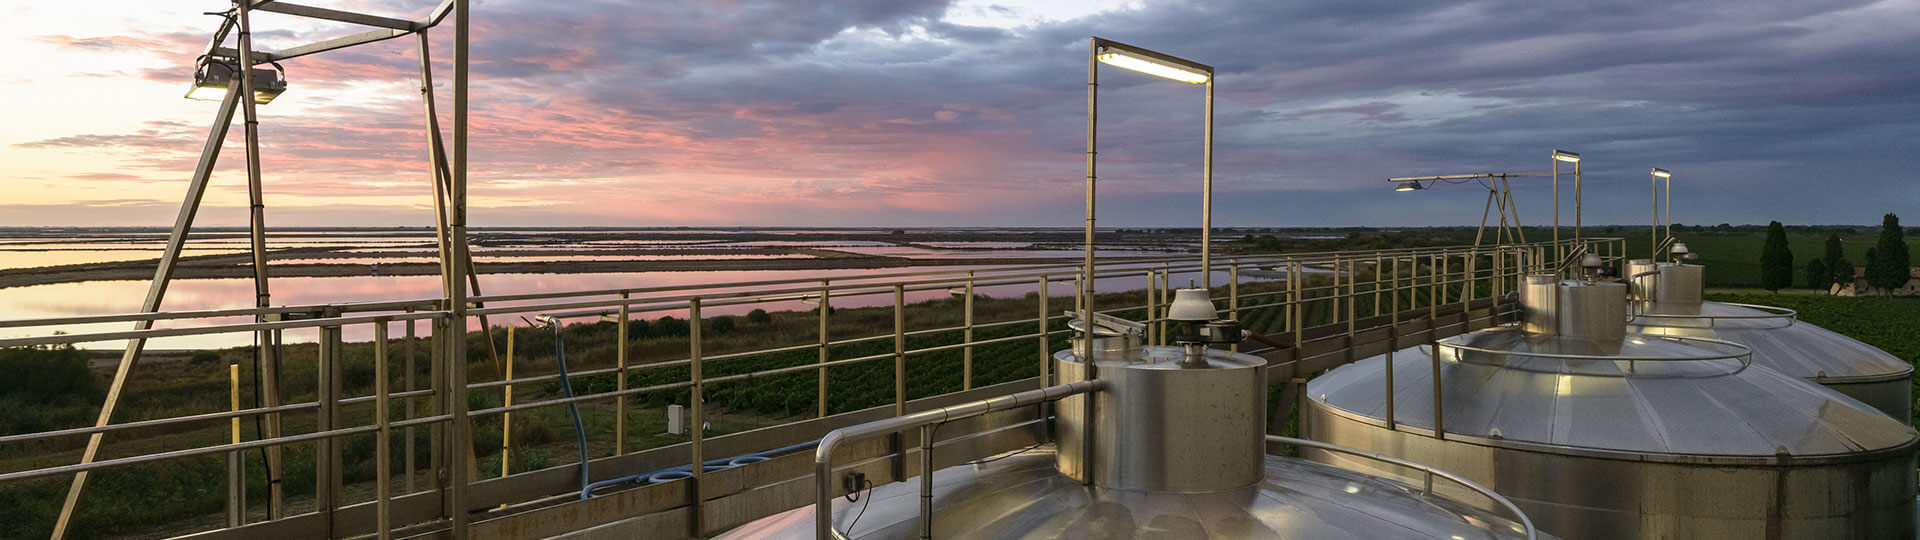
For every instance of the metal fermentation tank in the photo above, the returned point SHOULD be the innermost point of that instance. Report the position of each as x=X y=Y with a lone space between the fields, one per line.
x=1669 y=301
x=1178 y=453
x=1601 y=434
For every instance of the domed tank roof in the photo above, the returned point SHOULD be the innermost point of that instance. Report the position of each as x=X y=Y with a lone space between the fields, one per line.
x=1024 y=497
x=1779 y=341
x=1686 y=400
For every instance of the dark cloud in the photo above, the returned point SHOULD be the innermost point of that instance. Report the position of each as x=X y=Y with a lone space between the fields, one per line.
x=1796 y=111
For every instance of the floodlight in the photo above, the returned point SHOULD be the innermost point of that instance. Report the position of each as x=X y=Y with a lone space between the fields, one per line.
x=1123 y=58
x=1563 y=155
x=1409 y=186
x=1662 y=173
x=212 y=78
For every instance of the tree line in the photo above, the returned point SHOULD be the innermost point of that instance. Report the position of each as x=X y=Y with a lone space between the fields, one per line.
x=1886 y=266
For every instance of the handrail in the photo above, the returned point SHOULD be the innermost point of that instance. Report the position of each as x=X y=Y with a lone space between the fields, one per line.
x=1771 y=312
x=1525 y=522
x=1745 y=355
x=823 y=457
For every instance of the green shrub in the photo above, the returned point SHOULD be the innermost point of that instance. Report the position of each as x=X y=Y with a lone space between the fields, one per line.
x=44 y=374
x=204 y=357
x=722 y=324
x=759 y=316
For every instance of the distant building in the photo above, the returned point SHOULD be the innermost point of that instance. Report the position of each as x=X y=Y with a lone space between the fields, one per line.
x=1860 y=288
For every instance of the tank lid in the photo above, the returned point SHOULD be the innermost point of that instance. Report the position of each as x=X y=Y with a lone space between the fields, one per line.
x=1779 y=341
x=1686 y=411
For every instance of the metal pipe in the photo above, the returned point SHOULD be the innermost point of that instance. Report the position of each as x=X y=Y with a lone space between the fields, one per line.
x=825 y=294
x=1206 y=201
x=458 y=431
x=823 y=456
x=382 y=449
x=620 y=363
x=269 y=361
x=926 y=481
x=697 y=402
x=1087 y=276
x=966 y=354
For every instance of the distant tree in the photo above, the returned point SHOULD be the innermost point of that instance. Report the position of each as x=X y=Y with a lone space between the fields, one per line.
x=1842 y=273
x=722 y=324
x=1873 y=260
x=1818 y=277
x=637 y=329
x=759 y=316
x=1776 y=259
x=1834 y=254
x=1889 y=271
x=669 y=327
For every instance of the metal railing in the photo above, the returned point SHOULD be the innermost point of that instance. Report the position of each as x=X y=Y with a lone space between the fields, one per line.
x=925 y=421
x=1520 y=518
x=1282 y=295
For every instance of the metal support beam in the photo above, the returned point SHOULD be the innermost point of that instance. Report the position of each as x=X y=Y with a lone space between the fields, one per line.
x=156 y=290
x=338 y=16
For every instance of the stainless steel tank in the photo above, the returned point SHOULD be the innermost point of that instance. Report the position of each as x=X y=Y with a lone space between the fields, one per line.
x=1178 y=452
x=1779 y=340
x=1640 y=436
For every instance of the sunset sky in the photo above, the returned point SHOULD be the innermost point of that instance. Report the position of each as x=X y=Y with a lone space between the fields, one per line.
x=972 y=112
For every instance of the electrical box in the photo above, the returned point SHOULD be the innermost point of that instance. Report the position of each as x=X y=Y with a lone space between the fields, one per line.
x=676 y=420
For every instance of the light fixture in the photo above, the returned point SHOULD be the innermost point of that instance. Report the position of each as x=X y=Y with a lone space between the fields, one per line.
x=1151 y=65
x=1409 y=186
x=212 y=78
x=1563 y=155
x=1662 y=173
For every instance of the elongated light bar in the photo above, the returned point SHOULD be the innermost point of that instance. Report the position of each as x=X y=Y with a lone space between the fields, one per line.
x=1122 y=58
x=1662 y=173
x=1563 y=155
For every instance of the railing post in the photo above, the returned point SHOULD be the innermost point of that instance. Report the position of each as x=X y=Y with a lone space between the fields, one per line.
x=1046 y=352
x=382 y=451
x=1152 y=292
x=620 y=385
x=1353 y=277
x=1433 y=293
x=966 y=353
x=1393 y=336
x=1439 y=417
x=407 y=380
x=697 y=403
x=898 y=445
x=1295 y=298
x=825 y=293
x=1233 y=296
x=326 y=450
x=926 y=482
x=1377 y=259
x=506 y=399
x=236 y=462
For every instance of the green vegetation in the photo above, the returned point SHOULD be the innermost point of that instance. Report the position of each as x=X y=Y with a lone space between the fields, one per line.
x=1730 y=253
x=1887 y=268
x=1776 y=259
x=1817 y=275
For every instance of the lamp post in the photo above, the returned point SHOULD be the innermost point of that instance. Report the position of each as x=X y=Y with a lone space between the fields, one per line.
x=1499 y=195
x=1658 y=174
x=1569 y=157
x=1162 y=65
x=1104 y=51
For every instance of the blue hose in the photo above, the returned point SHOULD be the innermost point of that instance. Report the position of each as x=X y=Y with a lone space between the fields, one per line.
x=708 y=466
x=580 y=433
x=566 y=387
